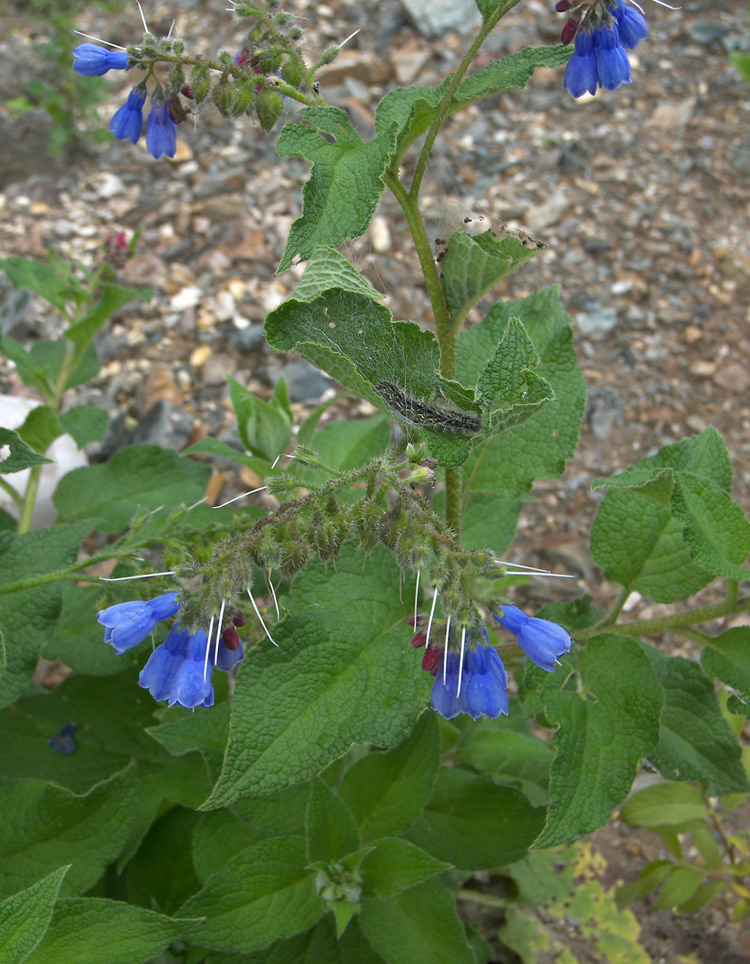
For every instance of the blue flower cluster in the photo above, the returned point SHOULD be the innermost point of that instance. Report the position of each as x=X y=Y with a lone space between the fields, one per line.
x=179 y=670
x=600 y=59
x=483 y=685
x=91 y=60
x=481 y=690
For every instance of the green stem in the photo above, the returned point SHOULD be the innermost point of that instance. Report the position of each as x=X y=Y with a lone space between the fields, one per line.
x=666 y=624
x=477 y=897
x=7 y=487
x=444 y=107
x=29 y=500
x=614 y=610
x=60 y=575
x=733 y=590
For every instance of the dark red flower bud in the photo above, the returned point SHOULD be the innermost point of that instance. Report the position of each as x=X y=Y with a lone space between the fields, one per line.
x=419 y=639
x=239 y=619
x=187 y=91
x=432 y=661
x=416 y=621
x=231 y=638
x=569 y=31
x=562 y=5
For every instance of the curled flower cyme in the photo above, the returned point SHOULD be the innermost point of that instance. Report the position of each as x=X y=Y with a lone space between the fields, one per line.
x=92 y=60
x=542 y=640
x=129 y=623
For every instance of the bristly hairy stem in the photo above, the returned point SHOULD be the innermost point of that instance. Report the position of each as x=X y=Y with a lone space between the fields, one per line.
x=59 y=575
x=666 y=624
x=444 y=106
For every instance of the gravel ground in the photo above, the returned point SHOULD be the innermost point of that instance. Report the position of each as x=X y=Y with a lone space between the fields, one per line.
x=641 y=195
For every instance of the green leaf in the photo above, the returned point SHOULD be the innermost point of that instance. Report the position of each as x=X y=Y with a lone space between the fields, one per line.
x=473 y=823
x=112 y=298
x=600 y=739
x=357 y=342
x=40 y=428
x=348 y=445
x=204 y=732
x=39 y=277
x=327 y=269
x=45 y=825
x=741 y=62
x=396 y=865
x=515 y=759
x=213 y=446
x=332 y=831
x=29 y=615
x=19 y=456
x=341 y=196
x=696 y=742
x=704 y=894
x=717 y=532
x=263 y=894
x=509 y=463
x=418 y=926
x=343 y=673
x=264 y=427
x=77 y=639
x=326 y=947
x=30 y=372
x=664 y=805
x=161 y=874
x=728 y=659
x=24 y=917
x=679 y=886
x=91 y=930
x=413 y=109
x=637 y=536
x=141 y=476
x=85 y=424
x=474 y=265
x=386 y=792
x=47 y=357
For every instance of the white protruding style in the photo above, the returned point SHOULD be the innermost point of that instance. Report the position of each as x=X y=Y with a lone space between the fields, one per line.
x=429 y=621
x=145 y=575
x=445 y=655
x=260 y=618
x=461 y=660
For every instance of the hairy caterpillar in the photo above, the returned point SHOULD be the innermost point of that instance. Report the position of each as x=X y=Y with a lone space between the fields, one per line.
x=424 y=414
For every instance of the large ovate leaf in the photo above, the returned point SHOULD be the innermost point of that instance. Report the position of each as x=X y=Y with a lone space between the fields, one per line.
x=327 y=269
x=664 y=805
x=668 y=523
x=345 y=185
x=343 y=673
x=161 y=875
x=603 y=731
x=28 y=616
x=386 y=792
x=395 y=865
x=264 y=893
x=539 y=448
x=91 y=930
x=24 y=917
x=696 y=742
x=141 y=476
x=332 y=831
x=78 y=639
x=45 y=826
x=418 y=926
x=473 y=823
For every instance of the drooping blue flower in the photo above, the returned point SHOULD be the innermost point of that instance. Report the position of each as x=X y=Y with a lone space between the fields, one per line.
x=127 y=122
x=580 y=71
x=191 y=685
x=542 y=640
x=91 y=60
x=612 y=64
x=631 y=23
x=157 y=676
x=129 y=623
x=483 y=685
x=161 y=131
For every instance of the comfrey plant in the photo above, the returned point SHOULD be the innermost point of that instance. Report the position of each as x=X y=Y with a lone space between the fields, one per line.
x=308 y=805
